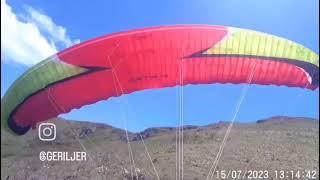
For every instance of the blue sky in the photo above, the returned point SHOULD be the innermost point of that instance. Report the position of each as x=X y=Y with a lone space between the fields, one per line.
x=54 y=25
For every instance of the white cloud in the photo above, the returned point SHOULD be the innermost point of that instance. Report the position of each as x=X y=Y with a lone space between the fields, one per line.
x=45 y=23
x=31 y=39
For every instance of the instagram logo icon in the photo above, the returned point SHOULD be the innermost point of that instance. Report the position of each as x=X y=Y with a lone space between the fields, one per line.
x=47 y=131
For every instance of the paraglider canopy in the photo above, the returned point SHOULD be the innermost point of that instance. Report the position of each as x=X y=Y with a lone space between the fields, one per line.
x=159 y=57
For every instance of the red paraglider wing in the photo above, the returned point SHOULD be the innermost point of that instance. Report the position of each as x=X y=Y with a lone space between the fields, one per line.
x=162 y=57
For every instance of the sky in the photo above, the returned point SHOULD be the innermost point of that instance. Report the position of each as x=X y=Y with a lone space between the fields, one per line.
x=34 y=29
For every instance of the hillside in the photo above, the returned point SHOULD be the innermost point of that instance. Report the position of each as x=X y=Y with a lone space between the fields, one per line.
x=270 y=144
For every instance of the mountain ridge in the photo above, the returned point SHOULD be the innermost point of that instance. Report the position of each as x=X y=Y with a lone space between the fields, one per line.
x=272 y=143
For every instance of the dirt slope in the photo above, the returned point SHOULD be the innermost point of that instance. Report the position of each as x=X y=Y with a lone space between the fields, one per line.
x=278 y=143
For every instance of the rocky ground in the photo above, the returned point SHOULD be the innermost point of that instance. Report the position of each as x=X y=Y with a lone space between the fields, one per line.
x=278 y=143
